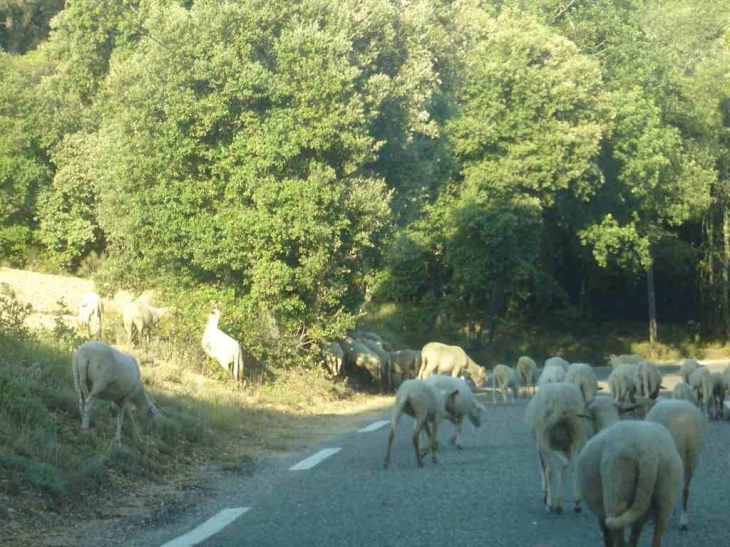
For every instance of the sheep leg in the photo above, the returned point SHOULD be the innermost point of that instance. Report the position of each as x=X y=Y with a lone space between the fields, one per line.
x=86 y=416
x=558 y=498
x=426 y=431
x=611 y=538
x=636 y=529
x=541 y=464
x=574 y=479
x=434 y=441
x=416 y=435
x=456 y=439
x=684 y=519
x=120 y=419
x=660 y=524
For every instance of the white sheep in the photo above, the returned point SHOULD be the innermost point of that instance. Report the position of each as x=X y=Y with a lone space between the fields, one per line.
x=377 y=348
x=139 y=318
x=726 y=376
x=437 y=358
x=427 y=406
x=683 y=392
x=406 y=362
x=647 y=380
x=103 y=372
x=221 y=347
x=621 y=383
x=359 y=355
x=333 y=357
x=628 y=473
x=551 y=375
x=687 y=368
x=562 y=422
x=717 y=396
x=91 y=313
x=701 y=383
x=528 y=373
x=360 y=335
x=688 y=427
x=505 y=379
x=557 y=362
x=624 y=359
x=582 y=376
x=465 y=404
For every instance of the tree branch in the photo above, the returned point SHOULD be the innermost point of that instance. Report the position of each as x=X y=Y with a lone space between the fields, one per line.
x=559 y=14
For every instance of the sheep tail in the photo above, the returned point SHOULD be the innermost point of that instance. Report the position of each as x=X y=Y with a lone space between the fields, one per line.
x=80 y=369
x=647 y=475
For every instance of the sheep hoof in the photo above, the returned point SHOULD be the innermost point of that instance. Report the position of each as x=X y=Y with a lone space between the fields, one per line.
x=683 y=527
x=419 y=464
x=577 y=508
x=559 y=510
x=460 y=447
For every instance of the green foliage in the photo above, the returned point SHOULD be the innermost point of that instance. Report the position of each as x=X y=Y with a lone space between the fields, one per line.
x=13 y=314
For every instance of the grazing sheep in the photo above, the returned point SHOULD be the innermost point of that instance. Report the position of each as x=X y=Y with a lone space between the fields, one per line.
x=406 y=362
x=359 y=355
x=683 y=392
x=505 y=379
x=384 y=356
x=582 y=376
x=139 y=318
x=701 y=383
x=528 y=373
x=427 y=405
x=437 y=358
x=221 y=347
x=333 y=358
x=687 y=368
x=562 y=422
x=103 y=372
x=551 y=375
x=91 y=312
x=647 y=379
x=624 y=359
x=688 y=427
x=464 y=404
x=717 y=397
x=361 y=335
x=557 y=362
x=628 y=473
x=621 y=383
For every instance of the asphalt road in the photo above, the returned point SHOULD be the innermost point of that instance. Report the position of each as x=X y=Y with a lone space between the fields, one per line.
x=487 y=494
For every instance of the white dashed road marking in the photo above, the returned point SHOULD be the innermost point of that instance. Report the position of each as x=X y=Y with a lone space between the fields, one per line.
x=313 y=460
x=211 y=526
x=373 y=426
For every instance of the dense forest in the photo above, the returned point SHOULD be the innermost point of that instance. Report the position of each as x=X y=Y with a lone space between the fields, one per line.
x=472 y=162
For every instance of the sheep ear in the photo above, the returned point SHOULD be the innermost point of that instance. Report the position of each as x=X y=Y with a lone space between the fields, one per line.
x=481 y=407
x=600 y=388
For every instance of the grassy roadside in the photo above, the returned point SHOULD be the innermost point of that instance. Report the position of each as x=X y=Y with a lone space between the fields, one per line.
x=48 y=470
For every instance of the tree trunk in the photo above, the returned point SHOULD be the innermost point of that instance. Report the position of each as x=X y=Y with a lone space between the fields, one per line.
x=652 y=304
x=726 y=273
x=491 y=310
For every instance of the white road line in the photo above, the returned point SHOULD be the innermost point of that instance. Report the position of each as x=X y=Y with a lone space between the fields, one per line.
x=313 y=460
x=211 y=526
x=373 y=426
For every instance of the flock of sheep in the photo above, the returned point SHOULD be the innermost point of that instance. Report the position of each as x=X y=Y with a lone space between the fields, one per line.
x=627 y=470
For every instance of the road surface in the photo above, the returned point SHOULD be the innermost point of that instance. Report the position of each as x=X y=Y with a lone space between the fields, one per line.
x=487 y=494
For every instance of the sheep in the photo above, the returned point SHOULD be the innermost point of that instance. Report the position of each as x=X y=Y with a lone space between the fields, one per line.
x=103 y=372
x=221 y=347
x=406 y=362
x=359 y=355
x=717 y=396
x=726 y=376
x=647 y=379
x=464 y=404
x=701 y=383
x=621 y=383
x=91 y=313
x=628 y=473
x=437 y=358
x=616 y=361
x=551 y=375
x=139 y=318
x=377 y=348
x=687 y=368
x=557 y=361
x=427 y=405
x=505 y=379
x=683 y=392
x=561 y=422
x=528 y=372
x=688 y=427
x=361 y=335
x=333 y=357
x=582 y=376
